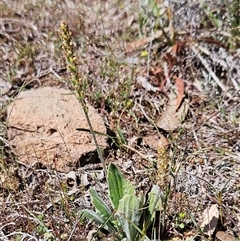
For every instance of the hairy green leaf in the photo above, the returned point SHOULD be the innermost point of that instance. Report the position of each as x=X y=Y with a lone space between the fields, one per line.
x=129 y=213
x=154 y=198
x=154 y=203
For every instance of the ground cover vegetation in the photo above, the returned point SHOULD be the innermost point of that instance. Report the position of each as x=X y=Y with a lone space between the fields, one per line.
x=164 y=75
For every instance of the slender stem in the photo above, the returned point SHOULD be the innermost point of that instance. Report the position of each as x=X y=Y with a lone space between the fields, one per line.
x=77 y=81
x=99 y=151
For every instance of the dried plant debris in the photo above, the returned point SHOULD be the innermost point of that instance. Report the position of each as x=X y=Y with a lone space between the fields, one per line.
x=223 y=236
x=170 y=118
x=210 y=220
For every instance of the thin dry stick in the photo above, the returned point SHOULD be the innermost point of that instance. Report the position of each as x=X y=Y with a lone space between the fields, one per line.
x=77 y=81
x=224 y=64
x=205 y=64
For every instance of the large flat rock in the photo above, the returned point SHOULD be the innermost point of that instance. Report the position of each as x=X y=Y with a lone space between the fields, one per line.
x=42 y=128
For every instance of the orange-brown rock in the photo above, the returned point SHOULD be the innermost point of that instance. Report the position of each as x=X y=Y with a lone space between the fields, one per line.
x=42 y=128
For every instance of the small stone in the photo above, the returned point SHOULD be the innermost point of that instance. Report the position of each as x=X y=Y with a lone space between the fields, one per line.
x=42 y=128
x=4 y=87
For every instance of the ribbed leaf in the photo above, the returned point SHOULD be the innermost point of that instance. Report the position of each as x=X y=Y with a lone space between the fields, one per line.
x=98 y=219
x=117 y=185
x=154 y=204
x=92 y=215
x=100 y=205
x=154 y=199
x=129 y=213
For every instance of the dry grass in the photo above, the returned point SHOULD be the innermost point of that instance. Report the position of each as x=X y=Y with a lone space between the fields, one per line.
x=37 y=203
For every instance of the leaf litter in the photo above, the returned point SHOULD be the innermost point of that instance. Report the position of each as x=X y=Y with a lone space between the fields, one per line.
x=210 y=220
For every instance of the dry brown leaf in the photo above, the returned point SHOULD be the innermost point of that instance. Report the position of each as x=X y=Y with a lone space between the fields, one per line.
x=223 y=236
x=163 y=141
x=130 y=47
x=180 y=87
x=159 y=77
x=170 y=118
x=151 y=141
x=210 y=219
x=156 y=141
x=175 y=49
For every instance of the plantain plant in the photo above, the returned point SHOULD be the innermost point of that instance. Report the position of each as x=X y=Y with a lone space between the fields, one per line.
x=129 y=216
